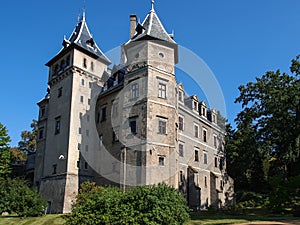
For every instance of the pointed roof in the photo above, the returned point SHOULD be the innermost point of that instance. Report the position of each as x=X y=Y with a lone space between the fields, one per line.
x=153 y=28
x=82 y=38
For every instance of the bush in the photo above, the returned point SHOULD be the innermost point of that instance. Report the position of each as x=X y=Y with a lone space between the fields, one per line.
x=250 y=200
x=17 y=197
x=159 y=204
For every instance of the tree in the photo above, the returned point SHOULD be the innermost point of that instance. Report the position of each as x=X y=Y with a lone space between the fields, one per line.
x=269 y=107
x=267 y=136
x=4 y=152
x=28 y=142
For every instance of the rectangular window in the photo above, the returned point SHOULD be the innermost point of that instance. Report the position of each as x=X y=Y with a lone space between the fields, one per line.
x=181 y=150
x=213 y=118
x=196 y=130
x=85 y=165
x=205 y=181
x=195 y=105
x=216 y=162
x=81 y=99
x=84 y=64
x=162 y=90
x=43 y=110
x=132 y=125
x=162 y=127
x=41 y=133
x=181 y=121
x=82 y=82
x=222 y=162
x=205 y=157
x=134 y=90
x=180 y=96
x=79 y=130
x=196 y=155
x=57 y=125
x=115 y=109
x=161 y=161
x=59 y=94
x=204 y=135
x=54 y=167
x=215 y=141
x=92 y=66
x=103 y=114
x=87 y=133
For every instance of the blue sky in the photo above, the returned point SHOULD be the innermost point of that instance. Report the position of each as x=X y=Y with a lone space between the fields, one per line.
x=237 y=39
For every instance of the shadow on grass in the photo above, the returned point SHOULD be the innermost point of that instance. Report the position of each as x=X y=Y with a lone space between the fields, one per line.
x=215 y=217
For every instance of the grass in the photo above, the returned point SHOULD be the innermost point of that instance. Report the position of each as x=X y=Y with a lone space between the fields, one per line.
x=201 y=218
x=242 y=216
x=44 y=220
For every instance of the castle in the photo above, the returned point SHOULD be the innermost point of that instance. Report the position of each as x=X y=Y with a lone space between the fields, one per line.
x=126 y=125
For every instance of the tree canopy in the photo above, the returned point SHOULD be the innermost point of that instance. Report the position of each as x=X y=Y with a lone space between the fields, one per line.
x=264 y=147
x=4 y=152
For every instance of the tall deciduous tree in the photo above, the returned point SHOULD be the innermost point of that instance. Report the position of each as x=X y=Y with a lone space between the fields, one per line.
x=4 y=152
x=269 y=107
x=28 y=142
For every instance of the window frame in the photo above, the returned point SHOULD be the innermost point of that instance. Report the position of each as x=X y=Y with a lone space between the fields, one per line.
x=181 y=125
x=196 y=154
x=134 y=90
x=162 y=90
x=162 y=126
x=196 y=130
x=181 y=150
x=57 y=125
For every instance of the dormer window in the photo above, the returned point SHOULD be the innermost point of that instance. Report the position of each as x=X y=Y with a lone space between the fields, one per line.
x=91 y=42
x=62 y=65
x=55 y=69
x=68 y=61
x=195 y=106
x=180 y=96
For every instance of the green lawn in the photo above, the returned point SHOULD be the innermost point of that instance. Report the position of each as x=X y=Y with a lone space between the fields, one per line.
x=202 y=218
x=244 y=216
x=44 y=220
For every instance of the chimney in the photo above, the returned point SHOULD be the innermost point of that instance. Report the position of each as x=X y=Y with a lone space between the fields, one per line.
x=133 y=20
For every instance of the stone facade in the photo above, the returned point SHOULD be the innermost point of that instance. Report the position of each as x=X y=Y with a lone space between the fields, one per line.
x=126 y=126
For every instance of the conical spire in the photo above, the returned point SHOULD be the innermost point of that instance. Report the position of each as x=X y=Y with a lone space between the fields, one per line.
x=82 y=37
x=153 y=28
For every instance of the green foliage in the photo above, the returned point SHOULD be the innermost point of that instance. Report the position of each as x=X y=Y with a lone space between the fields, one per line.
x=263 y=151
x=17 y=197
x=4 y=152
x=250 y=200
x=141 y=205
x=18 y=156
x=28 y=142
x=284 y=193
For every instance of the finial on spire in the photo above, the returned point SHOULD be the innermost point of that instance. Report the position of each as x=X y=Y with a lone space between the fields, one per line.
x=83 y=10
x=152 y=5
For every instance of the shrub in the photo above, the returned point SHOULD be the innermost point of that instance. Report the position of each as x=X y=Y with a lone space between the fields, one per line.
x=17 y=197
x=159 y=204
